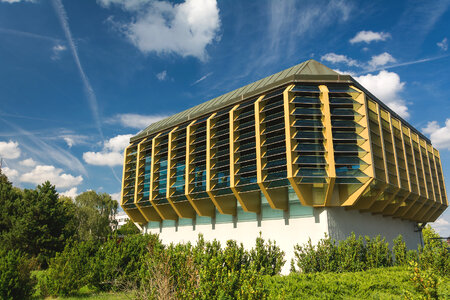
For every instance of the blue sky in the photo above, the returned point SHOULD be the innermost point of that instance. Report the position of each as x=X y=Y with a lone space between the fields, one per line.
x=78 y=78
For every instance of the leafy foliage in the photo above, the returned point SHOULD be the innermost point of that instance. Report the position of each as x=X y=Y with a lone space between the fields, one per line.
x=94 y=213
x=351 y=254
x=379 y=283
x=15 y=281
x=128 y=229
x=434 y=254
x=70 y=269
x=34 y=221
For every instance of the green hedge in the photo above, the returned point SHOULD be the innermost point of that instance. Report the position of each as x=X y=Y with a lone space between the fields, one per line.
x=379 y=283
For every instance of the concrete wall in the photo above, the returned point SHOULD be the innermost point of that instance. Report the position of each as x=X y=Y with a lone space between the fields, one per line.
x=337 y=222
x=341 y=223
x=286 y=232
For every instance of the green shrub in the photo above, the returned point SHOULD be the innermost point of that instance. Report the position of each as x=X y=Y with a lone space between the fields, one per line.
x=434 y=254
x=69 y=270
x=351 y=254
x=208 y=271
x=267 y=256
x=379 y=283
x=400 y=252
x=377 y=253
x=15 y=280
x=117 y=262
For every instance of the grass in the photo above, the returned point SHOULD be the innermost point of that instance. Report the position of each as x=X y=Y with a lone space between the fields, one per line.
x=383 y=283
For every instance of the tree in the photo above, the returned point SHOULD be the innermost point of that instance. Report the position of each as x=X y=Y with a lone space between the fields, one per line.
x=34 y=221
x=128 y=229
x=95 y=215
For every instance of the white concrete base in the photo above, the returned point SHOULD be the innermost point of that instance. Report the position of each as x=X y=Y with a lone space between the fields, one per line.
x=287 y=232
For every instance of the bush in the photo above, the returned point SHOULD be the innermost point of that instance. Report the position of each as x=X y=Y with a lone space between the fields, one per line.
x=15 y=280
x=116 y=264
x=377 y=253
x=70 y=269
x=434 y=254
x=208 y=271
x=350 y=255
x=380 y=283
x=400 y=252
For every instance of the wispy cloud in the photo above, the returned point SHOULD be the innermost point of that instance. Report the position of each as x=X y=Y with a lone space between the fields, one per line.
x=135 y=120
x=29 y=35
x=60 y=11
x=57 y=50
x=162 y=75
x=443 y=44
x=413 y=62
x=202 y=78
x=46 y=152
x=93 y=104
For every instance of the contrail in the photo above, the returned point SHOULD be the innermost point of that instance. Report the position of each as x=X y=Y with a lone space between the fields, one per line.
x=61 y=12
x=29 y=34
x=419 y=61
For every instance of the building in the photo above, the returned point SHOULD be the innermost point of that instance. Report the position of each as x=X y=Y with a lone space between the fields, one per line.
x=121 y=218
x=303 y=152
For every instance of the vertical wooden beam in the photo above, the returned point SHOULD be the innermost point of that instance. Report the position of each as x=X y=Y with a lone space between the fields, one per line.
x=225 y=204
x=250 y=202
x=290 y=158
x=328 y=134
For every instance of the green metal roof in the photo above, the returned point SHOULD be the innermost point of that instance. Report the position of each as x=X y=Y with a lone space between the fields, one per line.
x=310 y=70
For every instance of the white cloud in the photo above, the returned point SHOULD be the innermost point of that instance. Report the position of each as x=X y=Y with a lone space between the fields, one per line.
x=162 y=76
x=442 y=226
x=112 y=153
x=10 y=173
x=42 y=173
x=162 y=27
x=29 y=162
x=74 y=139
x=135 y=120
x=439 y=136
x=9 y=150
x=57 y=50
x=69 y=141
x=118 y=143
x=338 y=58
x=381 y=60
x=72 y=193
x=387 y=87
x=443 y=44
x=103 y=158
x=116 y=196
x=369 y=36
x=345 y=72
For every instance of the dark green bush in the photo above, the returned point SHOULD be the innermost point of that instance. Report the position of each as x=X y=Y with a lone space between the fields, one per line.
x=15 y=280
x=350 y=255
x=117 y=261
x=69 y=270
x=208 y=271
